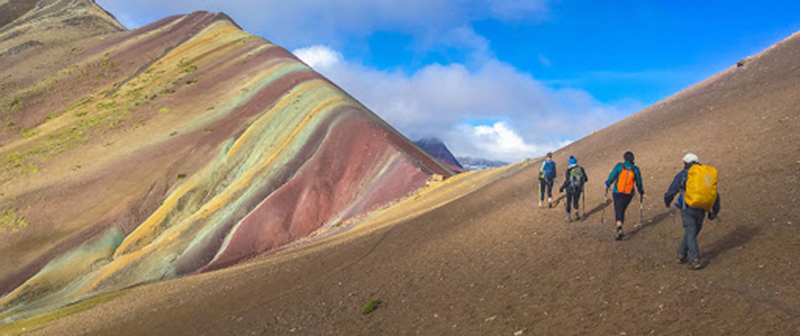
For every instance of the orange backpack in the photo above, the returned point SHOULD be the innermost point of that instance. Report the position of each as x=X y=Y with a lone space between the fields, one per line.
x=625 y=181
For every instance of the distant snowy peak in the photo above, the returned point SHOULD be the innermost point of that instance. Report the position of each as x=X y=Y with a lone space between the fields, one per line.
x=473 y=164
x=436 y=148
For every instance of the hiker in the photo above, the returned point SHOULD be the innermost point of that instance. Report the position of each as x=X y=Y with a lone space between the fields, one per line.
x=575 y=179
x=547 y=174
x=697 y=185
x=624 y=176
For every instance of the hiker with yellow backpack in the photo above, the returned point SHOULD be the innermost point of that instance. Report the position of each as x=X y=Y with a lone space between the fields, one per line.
x=625 y=176
x=697 y=185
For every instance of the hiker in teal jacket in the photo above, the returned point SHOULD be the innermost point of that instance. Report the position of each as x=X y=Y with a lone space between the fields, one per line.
x=624 y=177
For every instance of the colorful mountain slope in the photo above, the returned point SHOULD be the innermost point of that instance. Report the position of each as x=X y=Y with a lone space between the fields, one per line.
x=492 y=263
x=436 y=148
x=180 y=147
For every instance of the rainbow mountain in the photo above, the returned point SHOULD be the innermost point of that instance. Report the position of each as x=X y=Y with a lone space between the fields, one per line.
x=184 y=146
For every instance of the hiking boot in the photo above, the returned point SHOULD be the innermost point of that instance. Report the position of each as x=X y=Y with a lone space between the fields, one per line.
x=619 y=233
x=550 y=202
x=695 y=264
x=540 y=204
x=569 y=219
x=682 y=258
x=577 y=215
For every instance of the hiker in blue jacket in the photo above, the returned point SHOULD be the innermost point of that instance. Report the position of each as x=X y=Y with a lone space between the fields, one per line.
x=547 y=175
x=692 y=218
x=624 y=176
x=575 y=179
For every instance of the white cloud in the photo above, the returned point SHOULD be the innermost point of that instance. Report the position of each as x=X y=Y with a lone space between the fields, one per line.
x=501 y=141
x=319 y=56
x=489 y=110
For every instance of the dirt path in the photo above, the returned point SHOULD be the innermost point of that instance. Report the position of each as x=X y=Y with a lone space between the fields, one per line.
x=491 y=263
x=487 y=264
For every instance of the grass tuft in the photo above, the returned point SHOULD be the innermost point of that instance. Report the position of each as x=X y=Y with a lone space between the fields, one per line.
x=370 y=307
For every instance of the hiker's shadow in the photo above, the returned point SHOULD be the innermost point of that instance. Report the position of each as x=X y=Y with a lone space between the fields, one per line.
x=596 y=209
x=650 y=223
x=737 y=237
x=558 y=200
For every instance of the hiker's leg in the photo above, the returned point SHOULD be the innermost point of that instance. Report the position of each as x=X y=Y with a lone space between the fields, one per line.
x=569 y=201
x=684 y=248
x=541 y=189
x=699 y=215
x=576 y=200
x=619 y=208
x=626 y=200
x=550 y=188
x=689 y=218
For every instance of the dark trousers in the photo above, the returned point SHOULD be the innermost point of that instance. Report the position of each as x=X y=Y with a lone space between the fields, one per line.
x=692 y=224
x=573 y=199
x=621 y=202
x=545 y=183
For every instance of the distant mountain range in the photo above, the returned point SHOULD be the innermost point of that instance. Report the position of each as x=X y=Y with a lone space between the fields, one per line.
x=436 y=148
x=473 y=164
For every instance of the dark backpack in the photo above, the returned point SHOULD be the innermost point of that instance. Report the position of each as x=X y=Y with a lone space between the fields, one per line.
x=576 y=179
x=549 y=171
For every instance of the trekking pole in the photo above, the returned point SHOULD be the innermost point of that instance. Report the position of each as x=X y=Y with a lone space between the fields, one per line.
x=605 y=201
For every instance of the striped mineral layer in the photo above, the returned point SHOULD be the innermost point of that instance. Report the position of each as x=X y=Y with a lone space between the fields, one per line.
x=184 y=146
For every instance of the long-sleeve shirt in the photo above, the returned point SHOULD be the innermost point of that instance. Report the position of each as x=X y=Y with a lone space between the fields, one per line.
x=612 y=178
x=678 y=186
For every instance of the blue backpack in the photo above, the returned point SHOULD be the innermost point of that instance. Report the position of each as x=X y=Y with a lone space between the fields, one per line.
x=549 y=171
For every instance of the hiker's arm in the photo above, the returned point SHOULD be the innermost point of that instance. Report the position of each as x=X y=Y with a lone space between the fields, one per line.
x=613 y=176
x=716 y=208
x=566 y=181
x=674 y=189
x=639 y=185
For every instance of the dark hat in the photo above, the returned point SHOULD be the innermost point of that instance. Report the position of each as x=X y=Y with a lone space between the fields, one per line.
x=628 y=156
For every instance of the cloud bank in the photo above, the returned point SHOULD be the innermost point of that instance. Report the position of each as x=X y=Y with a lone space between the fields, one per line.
x=490 y=110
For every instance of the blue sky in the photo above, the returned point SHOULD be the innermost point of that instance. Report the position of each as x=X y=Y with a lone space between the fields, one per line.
x=503 y=79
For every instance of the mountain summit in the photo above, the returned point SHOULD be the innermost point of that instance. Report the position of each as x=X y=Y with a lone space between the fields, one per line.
x=436 y=148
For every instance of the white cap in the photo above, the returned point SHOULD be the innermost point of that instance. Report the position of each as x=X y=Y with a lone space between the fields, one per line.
x=689 y=158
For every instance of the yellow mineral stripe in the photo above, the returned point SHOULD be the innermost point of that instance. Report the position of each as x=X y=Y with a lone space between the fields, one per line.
x=307 y=86
x=248 y=176
x=121 y=261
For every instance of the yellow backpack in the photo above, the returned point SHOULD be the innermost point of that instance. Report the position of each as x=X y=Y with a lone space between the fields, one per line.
x=701 y=187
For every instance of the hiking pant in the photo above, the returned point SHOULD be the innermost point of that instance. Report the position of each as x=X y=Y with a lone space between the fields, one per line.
x=621 y=202
x=573 y=198
x=692 y=224
x=545 y=183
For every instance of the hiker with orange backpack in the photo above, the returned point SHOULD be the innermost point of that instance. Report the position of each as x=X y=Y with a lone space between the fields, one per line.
x=547 y=176
x=697 y=185
x=575 y=179
x=625 y=176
